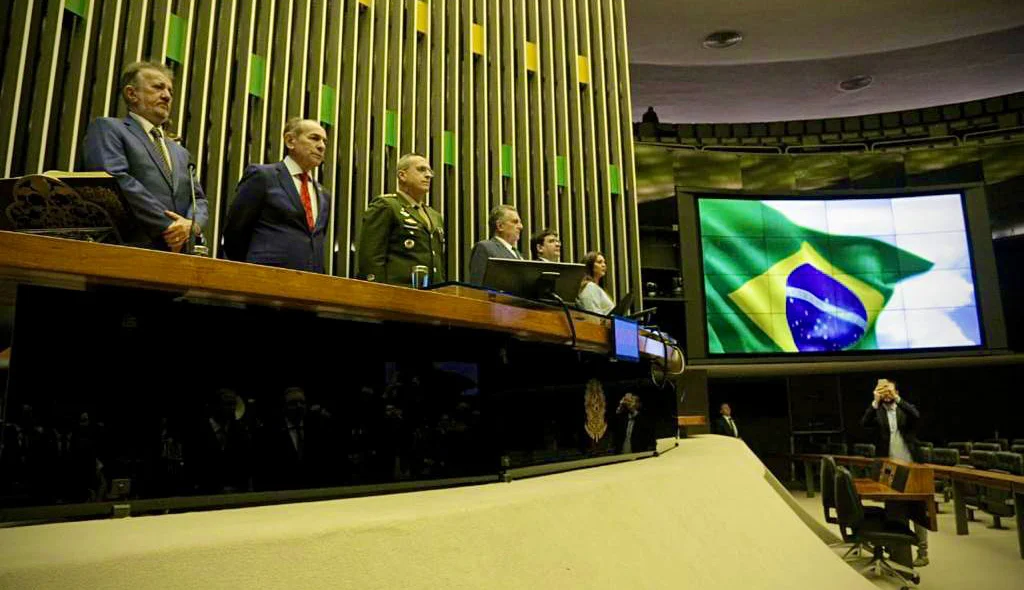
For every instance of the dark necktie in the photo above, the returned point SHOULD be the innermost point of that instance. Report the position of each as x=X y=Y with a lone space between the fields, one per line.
x=307 y=204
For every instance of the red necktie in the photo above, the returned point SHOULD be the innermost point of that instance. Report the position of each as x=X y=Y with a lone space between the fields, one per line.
x=306 y=203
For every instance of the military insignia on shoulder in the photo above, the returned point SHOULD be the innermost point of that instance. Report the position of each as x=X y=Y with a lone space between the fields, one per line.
x=409 y=244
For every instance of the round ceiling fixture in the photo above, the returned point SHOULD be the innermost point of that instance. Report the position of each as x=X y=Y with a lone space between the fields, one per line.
x=722 y=39
x=856 y=83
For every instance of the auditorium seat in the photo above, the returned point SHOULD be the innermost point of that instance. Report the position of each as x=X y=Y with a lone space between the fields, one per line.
x=1004 y=443
x=925 y=448
x=837 y=449
x=941 y=456
x=985 y=446
x=864 y=450
x=1017 y=448
x=964 y=448
x=997 y=502
x=1010 y=462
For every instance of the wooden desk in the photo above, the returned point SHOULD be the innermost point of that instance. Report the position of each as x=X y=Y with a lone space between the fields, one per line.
x=40 y=260
x=879 y=492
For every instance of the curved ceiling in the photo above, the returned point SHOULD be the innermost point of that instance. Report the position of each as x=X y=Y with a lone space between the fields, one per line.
x=919 y=52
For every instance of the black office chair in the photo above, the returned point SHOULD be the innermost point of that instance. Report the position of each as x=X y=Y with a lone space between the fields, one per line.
x=828 y=503
x=994 y=501
x=857 y=527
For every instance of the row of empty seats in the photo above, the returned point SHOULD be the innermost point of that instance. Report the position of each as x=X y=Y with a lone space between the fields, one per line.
x=972 y=122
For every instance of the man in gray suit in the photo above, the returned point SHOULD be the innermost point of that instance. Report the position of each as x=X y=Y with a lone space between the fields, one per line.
x=505 y=229
x=152 y=170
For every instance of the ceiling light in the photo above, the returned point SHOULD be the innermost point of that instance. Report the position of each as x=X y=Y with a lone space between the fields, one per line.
x=856 y=83
x=722 y=39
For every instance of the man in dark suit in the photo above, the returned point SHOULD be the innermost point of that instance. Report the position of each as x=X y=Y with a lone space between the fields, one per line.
x=153 y=172
x=505 y=228
x=280 y=214
x=401 y=231
x=724 y=424
x=896 y=422
x=546 y=246
x=632 y=430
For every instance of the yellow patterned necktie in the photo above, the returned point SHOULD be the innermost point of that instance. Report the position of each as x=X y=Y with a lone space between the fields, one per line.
x=161 y=148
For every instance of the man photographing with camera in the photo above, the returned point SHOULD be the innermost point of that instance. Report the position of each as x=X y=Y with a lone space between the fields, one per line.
x=896 y=421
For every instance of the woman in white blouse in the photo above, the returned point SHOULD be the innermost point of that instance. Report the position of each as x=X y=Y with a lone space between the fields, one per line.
x=592 y=296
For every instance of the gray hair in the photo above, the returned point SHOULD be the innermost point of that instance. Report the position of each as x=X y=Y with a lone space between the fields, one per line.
x=406 y=160
x=498 y=215
x=130 y=73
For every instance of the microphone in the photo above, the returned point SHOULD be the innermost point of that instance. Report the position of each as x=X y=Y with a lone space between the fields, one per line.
x=195 y=247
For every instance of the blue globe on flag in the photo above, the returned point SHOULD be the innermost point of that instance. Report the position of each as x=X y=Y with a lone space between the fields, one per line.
x=823 y=314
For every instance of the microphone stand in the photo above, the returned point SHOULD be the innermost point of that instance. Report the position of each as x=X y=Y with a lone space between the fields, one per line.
x=194 y=247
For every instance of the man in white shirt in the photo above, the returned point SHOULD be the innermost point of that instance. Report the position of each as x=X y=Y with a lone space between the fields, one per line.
x=896 y=421
x=505 y=229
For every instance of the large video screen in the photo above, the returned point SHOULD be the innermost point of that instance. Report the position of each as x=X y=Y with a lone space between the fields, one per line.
x=842 y=274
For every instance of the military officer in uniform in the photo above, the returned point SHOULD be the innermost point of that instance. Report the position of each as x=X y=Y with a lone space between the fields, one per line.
x=400 y=231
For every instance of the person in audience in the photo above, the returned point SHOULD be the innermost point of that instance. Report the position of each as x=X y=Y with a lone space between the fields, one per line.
x=546 y=246
x=505 y=227
x=219 y=455
x=279 y=215
x=153 y=171
x=592 y=295
x=297 y=449
x=724 y=424
x=633 y=432
x=895 y=419
x=650 y=116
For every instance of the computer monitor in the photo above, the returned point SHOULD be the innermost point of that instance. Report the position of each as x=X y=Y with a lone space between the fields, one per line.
x=534 y=279
x=626 y=336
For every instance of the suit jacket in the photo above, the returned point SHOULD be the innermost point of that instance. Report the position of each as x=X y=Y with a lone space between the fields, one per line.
x=906 y=421
x=642 y=438
x=721 y=426
x=482 y=251
x=394 y=238
x=266 y=223
x=121 y=148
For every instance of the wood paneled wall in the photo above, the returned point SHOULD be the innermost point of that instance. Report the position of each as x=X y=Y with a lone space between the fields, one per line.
x=513 y=101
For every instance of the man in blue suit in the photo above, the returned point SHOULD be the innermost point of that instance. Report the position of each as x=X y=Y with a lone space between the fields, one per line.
x=279 y=216
x=154 y=172
x=505 y=229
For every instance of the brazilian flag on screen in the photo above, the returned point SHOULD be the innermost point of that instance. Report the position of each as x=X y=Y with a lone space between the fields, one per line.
x=775 y=286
